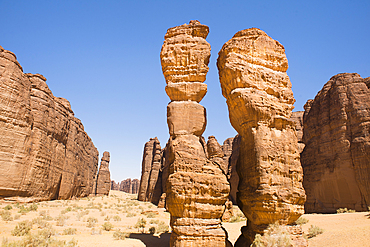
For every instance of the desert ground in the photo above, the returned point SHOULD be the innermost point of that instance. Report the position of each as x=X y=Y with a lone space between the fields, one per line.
x=113 y=221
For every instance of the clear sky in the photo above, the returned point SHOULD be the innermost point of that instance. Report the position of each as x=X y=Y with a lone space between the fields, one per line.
x=103 y=56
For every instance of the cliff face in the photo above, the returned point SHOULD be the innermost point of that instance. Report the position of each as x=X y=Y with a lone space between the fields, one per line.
x=252 y=70
x=197 y=188
x=44 y=151
x=336 y=158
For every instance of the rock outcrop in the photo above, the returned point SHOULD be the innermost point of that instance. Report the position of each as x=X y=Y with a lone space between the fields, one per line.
x=44 y=151
x=297 y=117
x=103 y=180
x=130 y=186
x=252 y=70
x=150 y=189
x=114 y=185
x=197 y=188
x=336 y=158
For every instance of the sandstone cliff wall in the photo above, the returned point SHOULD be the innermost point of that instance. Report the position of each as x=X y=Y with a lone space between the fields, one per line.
x=44 y=151
x=103 y=182
x=336 y=157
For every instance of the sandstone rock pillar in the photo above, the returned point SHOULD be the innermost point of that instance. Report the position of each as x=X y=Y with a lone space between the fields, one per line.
x=197 y=189
x=103 y=180
x=252 y=70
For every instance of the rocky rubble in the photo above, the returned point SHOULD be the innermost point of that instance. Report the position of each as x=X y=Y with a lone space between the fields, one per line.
x=44 y=151
x=336 y=159
x=252 y=71
x=197 y=188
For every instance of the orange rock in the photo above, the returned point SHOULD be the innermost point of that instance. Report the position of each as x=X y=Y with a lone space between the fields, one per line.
x=252 y=70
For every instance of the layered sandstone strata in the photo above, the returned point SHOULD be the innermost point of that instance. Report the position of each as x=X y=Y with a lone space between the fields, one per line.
x=44 y=151
x=197 y=188
x=252 y=70
x=114 y=185
x=103 y=179
x=336 y=158
x=130 y=186
x=297 y=117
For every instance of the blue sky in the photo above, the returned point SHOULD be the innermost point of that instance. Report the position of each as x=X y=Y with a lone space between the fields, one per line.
x=103 y=56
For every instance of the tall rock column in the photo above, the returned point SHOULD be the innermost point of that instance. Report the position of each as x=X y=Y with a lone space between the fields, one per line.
x=103 y=180
x=252 y=70
x=197 y=189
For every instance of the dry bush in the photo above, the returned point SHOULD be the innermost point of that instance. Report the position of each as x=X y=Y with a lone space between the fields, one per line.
x=118 y=235
x=301 y=221
x=40 y=222
x=274 y=235
x=162 y=227
x=69 y=231
x=61 y=219
x=23 y=228
x=91 y=221
x=8 y=207
x=140 y=224
x=130 y=215
x=107 y=226
x=345 y=210
x=116 y=218
x=314 y=231
x=154 y=222
x=152 y=230
x=6 y=215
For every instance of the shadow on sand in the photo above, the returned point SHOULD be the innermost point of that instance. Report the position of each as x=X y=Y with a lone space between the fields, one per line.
x=149 y=240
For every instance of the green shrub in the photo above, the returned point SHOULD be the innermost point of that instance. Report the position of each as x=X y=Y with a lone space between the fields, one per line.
x=152 y=230
x=301 y=221
x=314 y=231
x=91 y=221
x=69 y=231
x=107 y=226
x=118 y=235
x=22 y=228
x=8 y=207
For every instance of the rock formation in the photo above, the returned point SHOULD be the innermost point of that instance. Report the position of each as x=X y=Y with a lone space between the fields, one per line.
x=297 y=117
x=44 y=151
x=130 y=186
x=336 y=158
x=197 y=188
x=252 y=70
x=103 y=179
x=114 y=185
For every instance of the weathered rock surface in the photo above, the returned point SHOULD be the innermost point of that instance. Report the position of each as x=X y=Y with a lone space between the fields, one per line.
x=252 y=70
x=297 y=117
x=197 y=188
x=336 y=158
x=130 y=186
x=114 y=185
x=103 y=178
x=150 y=189
x=44 y=151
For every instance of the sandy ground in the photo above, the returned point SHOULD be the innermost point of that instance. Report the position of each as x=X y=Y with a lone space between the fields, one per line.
x=122 y=210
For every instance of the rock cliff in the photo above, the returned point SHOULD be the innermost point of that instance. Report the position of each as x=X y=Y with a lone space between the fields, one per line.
x=336 y=158
x=197 y=188
x=103 y=180
x=44 y=151
x=252 y=71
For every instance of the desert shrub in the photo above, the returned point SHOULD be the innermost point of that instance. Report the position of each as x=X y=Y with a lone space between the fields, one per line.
x=107 y=218
x=40 y=222
x=151 y=215
x=116 y=218
x=162 y=227
x=150 y=206
x=235 y=219
x=345 y=210
x=42 y=238
x=22 y=228
x=154 y=222
x=91 y=221
x=8 y=207
x=24 y=210
x=61 y=219
x=33 y=207
x=140 y=224
x=69 y=231
x=314 y=231
x=95 y=232
x=301 y=221
x=152 y=230
x=107 y=226
x=82 y=214
x=6 y=215
x=17 y=217
x=118 y=235
x=130 y=215
x=274 y=235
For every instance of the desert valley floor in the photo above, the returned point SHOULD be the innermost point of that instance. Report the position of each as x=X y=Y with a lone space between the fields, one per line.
x=122 y=211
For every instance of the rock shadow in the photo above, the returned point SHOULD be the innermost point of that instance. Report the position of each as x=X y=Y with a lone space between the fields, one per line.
x=150 y=240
